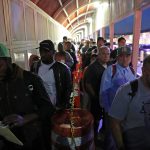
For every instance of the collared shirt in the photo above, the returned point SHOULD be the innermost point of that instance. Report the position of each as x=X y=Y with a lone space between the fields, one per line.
x=47 y=76
x=104 y=65
x=109 y=84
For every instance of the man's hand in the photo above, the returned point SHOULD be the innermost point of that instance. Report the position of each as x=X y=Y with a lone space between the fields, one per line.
x=14 y=120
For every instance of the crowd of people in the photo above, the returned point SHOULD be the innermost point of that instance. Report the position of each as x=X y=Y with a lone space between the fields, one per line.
x=110 y=90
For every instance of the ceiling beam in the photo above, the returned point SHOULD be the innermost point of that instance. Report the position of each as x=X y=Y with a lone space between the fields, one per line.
x=35 y=1
x=58 y=11
x=65 y=12
x=74 y=28
x=78 y=9
x=83 y=14
x=77 y=4
x=87 y=8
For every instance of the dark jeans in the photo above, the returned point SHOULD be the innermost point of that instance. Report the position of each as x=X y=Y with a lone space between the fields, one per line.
x=137 y=139
x=96 y=111
x=109 y=143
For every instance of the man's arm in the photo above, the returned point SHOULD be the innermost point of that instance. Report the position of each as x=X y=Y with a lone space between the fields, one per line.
x=68 y=85
x=90 y=90
x=88 y=76
x=115 y=126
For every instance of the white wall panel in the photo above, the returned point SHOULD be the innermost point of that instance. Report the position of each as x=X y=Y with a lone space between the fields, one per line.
x=30 y=23
x=17 y=20
x=50 y=30
x=45 y=28
x=42 y=27
x=23 y=25
x=2 y=23
x=39 y=26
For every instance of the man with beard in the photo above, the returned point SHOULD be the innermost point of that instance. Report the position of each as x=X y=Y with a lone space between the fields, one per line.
x=55 y=75
x=129 y=113
x=24 y=106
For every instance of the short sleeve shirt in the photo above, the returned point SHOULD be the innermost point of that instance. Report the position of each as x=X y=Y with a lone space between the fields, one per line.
x=130 y=110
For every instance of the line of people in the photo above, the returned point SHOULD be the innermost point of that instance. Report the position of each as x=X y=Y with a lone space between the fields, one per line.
x=106 y=77
x=28 y=100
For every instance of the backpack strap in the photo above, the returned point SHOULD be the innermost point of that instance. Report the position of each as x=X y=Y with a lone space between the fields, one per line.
x=132 y=70
x=113 y=70
x=134 y=88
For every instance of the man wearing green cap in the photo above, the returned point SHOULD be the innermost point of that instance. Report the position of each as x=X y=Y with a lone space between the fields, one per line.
x=4 y=51
x=113 y=77
x=24 y=105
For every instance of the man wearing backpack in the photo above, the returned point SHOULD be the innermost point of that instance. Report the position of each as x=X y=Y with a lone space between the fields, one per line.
x=113 y=77
x=130 y=113
x=24 y=106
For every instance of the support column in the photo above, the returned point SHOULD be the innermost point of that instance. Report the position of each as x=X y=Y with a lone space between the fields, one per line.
x=136 y=37
x=111 y=28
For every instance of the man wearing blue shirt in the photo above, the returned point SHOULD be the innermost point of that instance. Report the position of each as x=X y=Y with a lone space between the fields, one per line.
x=115 y=76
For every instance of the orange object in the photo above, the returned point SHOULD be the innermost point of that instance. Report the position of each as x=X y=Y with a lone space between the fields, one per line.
x=77 y=75
x=76 y=95
x=80 y=136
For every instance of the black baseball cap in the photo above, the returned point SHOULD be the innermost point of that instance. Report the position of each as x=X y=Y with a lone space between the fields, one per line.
x=47 y=45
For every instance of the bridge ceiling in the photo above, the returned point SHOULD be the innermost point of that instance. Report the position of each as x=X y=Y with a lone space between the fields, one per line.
x=69 y=13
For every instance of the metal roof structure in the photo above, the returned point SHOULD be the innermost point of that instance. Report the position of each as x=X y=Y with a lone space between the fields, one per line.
x=69 y=13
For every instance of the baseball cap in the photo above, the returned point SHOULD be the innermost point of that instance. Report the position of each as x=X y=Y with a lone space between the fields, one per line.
x=124 y=50
x=4 y=52
x=47 y=45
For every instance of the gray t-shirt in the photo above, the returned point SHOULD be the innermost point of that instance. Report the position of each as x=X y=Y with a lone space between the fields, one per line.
x=130 y=110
